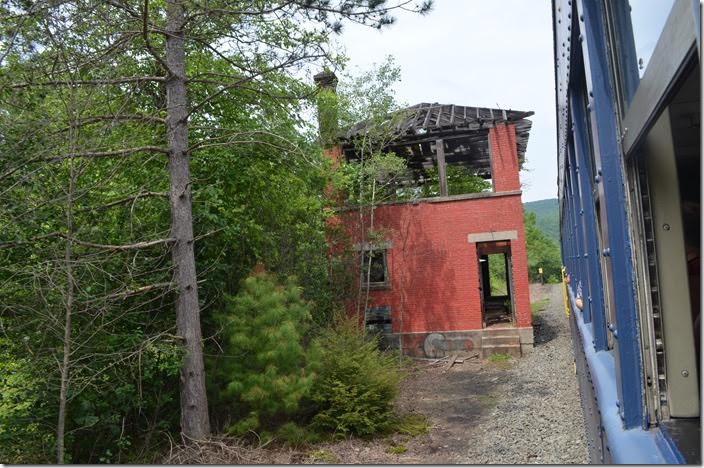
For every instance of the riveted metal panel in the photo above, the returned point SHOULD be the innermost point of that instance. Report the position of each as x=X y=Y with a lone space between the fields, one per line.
x=608 y=157
x=582 y=153
x=563 y=38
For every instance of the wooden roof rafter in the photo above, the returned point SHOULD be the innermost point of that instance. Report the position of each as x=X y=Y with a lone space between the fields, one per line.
x=462 y=127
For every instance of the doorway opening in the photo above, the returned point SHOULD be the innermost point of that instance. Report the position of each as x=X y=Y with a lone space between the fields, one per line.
x=495 y=283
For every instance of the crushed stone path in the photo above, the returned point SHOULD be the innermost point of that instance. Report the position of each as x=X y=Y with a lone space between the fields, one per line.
x=538 y=418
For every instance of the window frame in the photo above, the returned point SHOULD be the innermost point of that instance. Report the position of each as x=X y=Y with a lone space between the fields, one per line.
x=641 y=101
x=372 y=249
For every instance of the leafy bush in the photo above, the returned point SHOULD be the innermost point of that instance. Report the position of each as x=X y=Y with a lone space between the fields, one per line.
x=265 y=368
x=356 y=383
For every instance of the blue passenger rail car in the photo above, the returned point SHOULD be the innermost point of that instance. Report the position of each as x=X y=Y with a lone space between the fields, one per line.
x=627 y=79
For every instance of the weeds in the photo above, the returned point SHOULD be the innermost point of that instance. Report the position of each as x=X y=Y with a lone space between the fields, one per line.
x=413 y=424
x=323 y=456
x=397 y=449
x=537 y=307
x=499 y=357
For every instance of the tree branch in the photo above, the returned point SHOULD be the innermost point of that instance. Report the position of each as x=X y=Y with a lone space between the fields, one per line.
x=129 y=79
x=123 y=247
x=131 y=199
x=107 y=154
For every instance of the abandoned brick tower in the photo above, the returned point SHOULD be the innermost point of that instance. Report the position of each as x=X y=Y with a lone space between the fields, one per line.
x=447 y=270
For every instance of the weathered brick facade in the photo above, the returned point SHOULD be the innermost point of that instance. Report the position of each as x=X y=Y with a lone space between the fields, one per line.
x=433 y=268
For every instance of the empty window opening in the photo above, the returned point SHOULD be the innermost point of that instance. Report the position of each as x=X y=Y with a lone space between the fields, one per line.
x=378 y=322
x=375 y=272
x=496 y=288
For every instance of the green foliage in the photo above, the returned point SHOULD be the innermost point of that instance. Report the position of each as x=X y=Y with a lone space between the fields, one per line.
x=356 y=383
x=295 y=435
x=539 y=306
x=21 y=411
x=542 y=252
x=265 y=370
x=413 y=424
x=497 y=275
x=460 y=180
x=374 y=180
x=547 y=217
x=257 y=184
x=369 y=98
x=397 y=449
x=323 y=456
x=499 y=357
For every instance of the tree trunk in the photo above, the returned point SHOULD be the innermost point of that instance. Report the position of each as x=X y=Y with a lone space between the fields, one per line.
x=68 y=254
x=371 y=249
x=194 y=404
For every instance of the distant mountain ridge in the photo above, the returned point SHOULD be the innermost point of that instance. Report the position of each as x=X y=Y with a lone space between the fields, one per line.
x=547 y=216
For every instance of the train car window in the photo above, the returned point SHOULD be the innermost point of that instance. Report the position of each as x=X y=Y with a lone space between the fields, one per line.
x=648 y=20
x=664 y=187
x=633 y=29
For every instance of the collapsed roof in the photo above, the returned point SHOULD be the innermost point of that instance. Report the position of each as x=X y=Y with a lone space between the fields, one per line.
x=463 y=129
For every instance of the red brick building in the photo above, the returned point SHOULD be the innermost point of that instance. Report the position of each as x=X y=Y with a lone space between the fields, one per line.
x=429 y=288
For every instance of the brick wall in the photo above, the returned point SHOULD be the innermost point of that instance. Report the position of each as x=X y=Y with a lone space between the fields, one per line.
x=434 y=270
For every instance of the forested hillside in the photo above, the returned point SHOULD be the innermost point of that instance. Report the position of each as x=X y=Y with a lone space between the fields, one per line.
x=543 y=239
x=547 y=216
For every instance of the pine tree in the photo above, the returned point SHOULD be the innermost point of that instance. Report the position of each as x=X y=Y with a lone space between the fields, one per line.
x=266 y=367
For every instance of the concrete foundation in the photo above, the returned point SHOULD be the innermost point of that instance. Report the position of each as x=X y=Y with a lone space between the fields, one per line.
x=487 y=341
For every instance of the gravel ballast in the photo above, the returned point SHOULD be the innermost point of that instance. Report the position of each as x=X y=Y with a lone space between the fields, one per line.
x=538 y=418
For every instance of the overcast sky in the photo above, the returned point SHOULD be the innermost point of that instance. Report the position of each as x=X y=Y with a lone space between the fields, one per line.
x=480 y=53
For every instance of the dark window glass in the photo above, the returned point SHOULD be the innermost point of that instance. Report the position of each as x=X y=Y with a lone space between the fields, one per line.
x=376 y=270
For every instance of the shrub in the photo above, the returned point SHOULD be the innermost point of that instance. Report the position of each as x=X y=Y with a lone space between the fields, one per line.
x=356 y=383
x=295 y=435
x=265 y=367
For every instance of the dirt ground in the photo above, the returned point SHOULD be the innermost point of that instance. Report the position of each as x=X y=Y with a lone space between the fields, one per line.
x=456 y=401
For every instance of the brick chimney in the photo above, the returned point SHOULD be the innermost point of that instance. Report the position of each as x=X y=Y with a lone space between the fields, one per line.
x=328 y=125
x=504 y=158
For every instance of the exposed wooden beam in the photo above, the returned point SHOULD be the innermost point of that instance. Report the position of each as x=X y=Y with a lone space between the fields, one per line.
x=442 y=173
